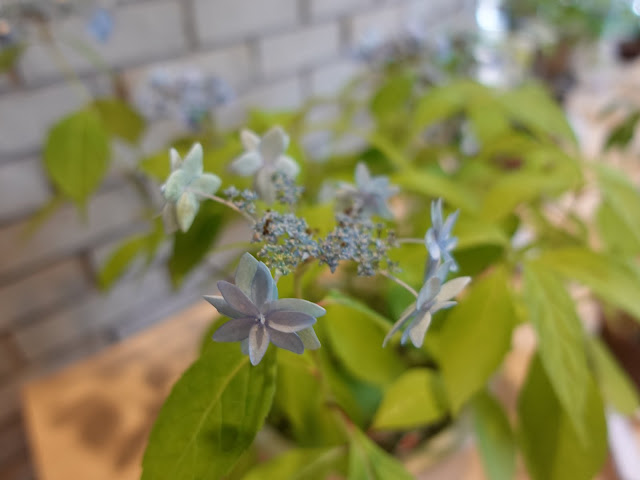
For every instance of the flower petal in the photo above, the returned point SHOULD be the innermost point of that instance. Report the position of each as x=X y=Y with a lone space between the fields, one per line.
x=287 y=166
x=448 y=224
x=288 y=341
x=174 y=159
x=192 y=163
x=247 y=164
x=432 y=245
x=249 y=139
x=309 y=338
x=186 y=210
x=169 y=218
x=261 y=286
x=428 y=292
x=362 y=176
x=442 y=306
x=452 y=288
x=273 y=144
x=296 y=305
x=418 y=329
x=436 y=214
x=223 y=307
x=234 y=330
x=408 y=312
x=207 y=183
x=258 y=343
x=263 y=185
x=245 y=272
x=175 y=186
x=289 y=321
x=237 y=299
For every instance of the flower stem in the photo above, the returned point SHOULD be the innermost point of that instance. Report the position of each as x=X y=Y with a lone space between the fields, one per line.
x=226 y=203
x=404 y=285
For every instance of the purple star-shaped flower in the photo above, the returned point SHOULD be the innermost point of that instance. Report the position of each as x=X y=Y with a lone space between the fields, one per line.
x=258 y=317
x=438 y=239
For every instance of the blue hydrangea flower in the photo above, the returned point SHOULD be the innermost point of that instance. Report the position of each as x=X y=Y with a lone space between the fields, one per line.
x=264 y=157
x=258 y=317
x=434 y=295
x=181 y=189
x=100 y=24
x=438 y=239
x=369 y=195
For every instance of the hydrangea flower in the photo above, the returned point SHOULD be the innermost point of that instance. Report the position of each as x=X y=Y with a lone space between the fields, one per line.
x=100 y=24
x=369 y=195
x=264 y=157
x=438 y=239
x=181 y=189
x=258 y=317
x=434 y=295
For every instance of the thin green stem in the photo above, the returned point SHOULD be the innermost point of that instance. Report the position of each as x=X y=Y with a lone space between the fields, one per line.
x=403 y=284
x=226 y=203
x=410 y=240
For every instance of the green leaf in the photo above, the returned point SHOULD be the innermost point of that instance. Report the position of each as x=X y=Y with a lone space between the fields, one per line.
x=474 y=337
x=552 y=448
x=392 y=96
x=300 y=398
x=610 y=278
x=367 y=461
x=156 y=165
x=488 y=120
x=120 y=119
x=532 y=106
x=76 y=155
x=623 y=197
x=412 y=401
x=211 y=416
x=615 y=232
x=190 y=247
x=561 y=340
x=472 y=232
x=622 y=134
x=617 y=388
x=122 y=257
x=436 y=185
x=356 y=333
x=443 y=102
x=495 y=438
x=301 y=464
x=388 y=149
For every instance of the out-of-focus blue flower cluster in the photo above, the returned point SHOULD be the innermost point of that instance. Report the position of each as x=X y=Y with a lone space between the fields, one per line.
x=189 y=96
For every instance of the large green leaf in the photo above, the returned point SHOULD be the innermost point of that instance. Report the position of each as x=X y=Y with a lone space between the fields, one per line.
x=77 y=154
x=301 y=398
x=120 y=119
x=190 y=247
x=301 y=464
x=474 y=337
x=561 y=340
x=211 y=416
x=623 y=197
x=622 y=134
x=495 y=438
x=609 y=277
x=443 y=102
x=392 y=96
x=552 y=448
x=532 y=106
x=356 y=333
x=435 y=185
x=367 y=461
x=413 y=400
x=617 y=388
x=617 y=235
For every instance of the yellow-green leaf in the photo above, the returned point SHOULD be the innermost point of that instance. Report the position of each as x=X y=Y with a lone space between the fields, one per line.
x=367 y=461
x=301 y=464
x=412 y=401
x=119 y=118
x=211 y=416
x=552 y=448
x=77 y=154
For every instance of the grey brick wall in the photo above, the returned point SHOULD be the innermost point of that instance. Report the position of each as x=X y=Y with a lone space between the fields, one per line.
x=274 y=53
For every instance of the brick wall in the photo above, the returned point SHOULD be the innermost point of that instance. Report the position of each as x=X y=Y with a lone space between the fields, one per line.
x=274 y=53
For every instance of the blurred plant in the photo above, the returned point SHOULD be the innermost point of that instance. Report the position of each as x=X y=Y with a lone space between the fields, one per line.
x=189 y=95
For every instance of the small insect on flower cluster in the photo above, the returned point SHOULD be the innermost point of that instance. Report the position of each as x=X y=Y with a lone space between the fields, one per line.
x=360 y=235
